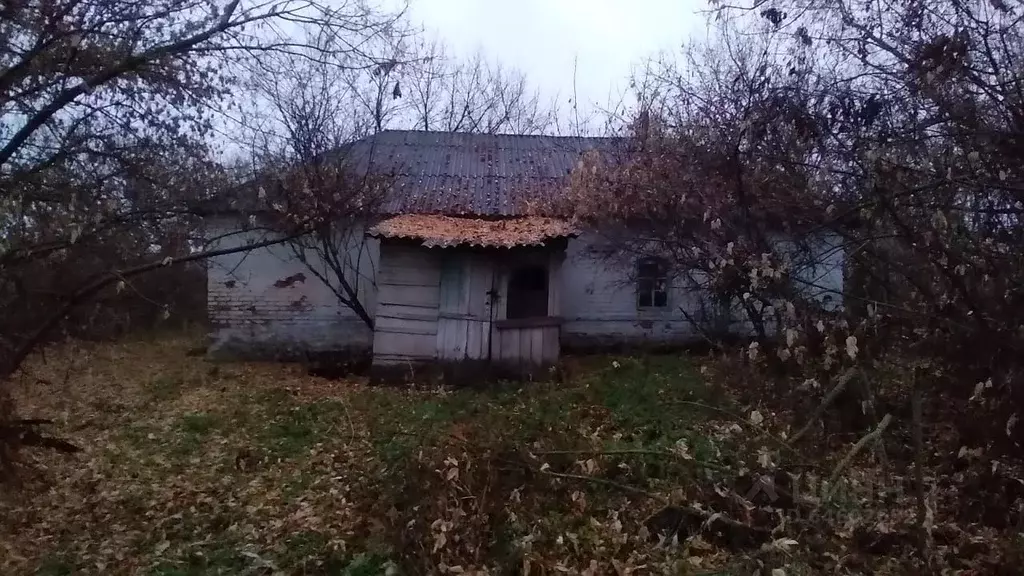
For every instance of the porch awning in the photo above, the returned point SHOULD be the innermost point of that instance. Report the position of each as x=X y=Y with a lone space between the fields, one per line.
x=444 y=231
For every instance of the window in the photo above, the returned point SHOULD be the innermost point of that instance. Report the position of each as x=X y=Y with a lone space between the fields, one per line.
x=652 y=283
x=527 y=293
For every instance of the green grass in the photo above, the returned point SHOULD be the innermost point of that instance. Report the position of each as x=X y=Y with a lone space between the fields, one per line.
x=308 y=551
x=305 y=552
x=369 y=565
x=292 y=429
x=182 y=439
x=55 y=566
x=639 y=397
x=199 y=424
x=298 y=484
x=219 y=558
x=639 y=394
x=634 y=404
x=165 y=387
x=378 y=452
x=191 y=431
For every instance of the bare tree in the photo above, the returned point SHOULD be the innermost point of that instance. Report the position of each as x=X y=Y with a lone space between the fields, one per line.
x=311 y=155
x=472 y=96
x=416 y=83
x=915 y=117
x=106 y=111
x=311 y=118
x=426 y=86
x=893 y=130
x=374 y=93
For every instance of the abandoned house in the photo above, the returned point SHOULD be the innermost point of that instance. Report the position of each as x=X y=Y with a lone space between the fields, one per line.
x=454 y=270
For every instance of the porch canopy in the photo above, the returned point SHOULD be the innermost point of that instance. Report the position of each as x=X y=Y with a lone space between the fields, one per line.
x=434 y=230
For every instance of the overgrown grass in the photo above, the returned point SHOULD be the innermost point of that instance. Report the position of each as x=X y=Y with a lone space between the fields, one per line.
x=642 y=397
x=292 y=429
x=224 y=469
x=198 y=468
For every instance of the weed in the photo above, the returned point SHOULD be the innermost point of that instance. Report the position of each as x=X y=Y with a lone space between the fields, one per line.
x=381 y=462
x=55 y=566
x=369 y=565
x=311 y=553
x=217 y=558
x=199 y=424
x=644 y=397
x=165 y=387
x=294 y=428
x=294 y=487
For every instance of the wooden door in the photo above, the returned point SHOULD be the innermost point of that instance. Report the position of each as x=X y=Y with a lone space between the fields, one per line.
x=528 y=342
x=464 y=313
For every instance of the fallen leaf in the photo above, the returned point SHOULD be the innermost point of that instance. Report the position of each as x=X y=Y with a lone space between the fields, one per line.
x=755 y=418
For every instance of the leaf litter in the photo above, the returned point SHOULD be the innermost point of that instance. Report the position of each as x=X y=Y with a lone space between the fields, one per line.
x=628 y=466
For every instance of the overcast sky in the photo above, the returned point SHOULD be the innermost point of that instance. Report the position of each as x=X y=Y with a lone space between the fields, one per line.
x=542 y=37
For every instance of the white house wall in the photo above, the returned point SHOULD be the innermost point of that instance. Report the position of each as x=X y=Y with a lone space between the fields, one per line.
x=265 y=302
x=254 y=311
x=600 y=307
x=599 y=303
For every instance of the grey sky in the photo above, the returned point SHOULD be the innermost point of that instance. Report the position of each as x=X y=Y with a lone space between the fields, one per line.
x=541 y=37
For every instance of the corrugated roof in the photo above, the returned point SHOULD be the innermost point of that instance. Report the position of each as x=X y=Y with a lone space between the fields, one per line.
x=443 y=231
x=469 y=174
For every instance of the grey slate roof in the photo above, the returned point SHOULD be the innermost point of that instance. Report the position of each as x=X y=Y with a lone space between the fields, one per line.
x=460 y=174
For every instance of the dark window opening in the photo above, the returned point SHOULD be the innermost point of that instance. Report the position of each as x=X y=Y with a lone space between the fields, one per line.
x=527 y=293
x=652 y=283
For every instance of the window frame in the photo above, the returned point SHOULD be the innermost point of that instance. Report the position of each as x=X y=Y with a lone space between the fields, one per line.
x=652 y=284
